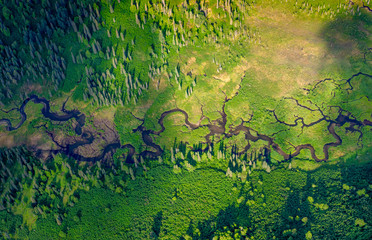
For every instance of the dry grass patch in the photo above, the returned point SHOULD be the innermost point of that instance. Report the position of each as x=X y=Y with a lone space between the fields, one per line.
x=292 y=52
x=7 y=140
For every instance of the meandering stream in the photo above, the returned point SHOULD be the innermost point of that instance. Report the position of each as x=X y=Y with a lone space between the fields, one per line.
x=217 y=127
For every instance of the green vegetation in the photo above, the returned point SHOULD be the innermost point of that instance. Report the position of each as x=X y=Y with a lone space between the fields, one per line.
x=205 y=204
x=194 y=119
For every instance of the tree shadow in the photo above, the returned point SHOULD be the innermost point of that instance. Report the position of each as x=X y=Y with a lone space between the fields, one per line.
x=296 y=214
x=347 y=34
x=226 y=220
x=357 y=179
x=156 y=226
x=232 y=218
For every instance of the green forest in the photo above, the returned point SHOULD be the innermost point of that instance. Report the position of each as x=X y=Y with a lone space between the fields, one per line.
x=185 y=119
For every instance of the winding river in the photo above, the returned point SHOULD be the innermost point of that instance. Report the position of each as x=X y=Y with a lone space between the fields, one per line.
x=216 y=127
x=69 y=149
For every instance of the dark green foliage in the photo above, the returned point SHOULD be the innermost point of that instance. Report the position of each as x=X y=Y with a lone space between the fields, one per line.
x=18 y=167
x=205 y=204
x=34 y=54
x=344 y=30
